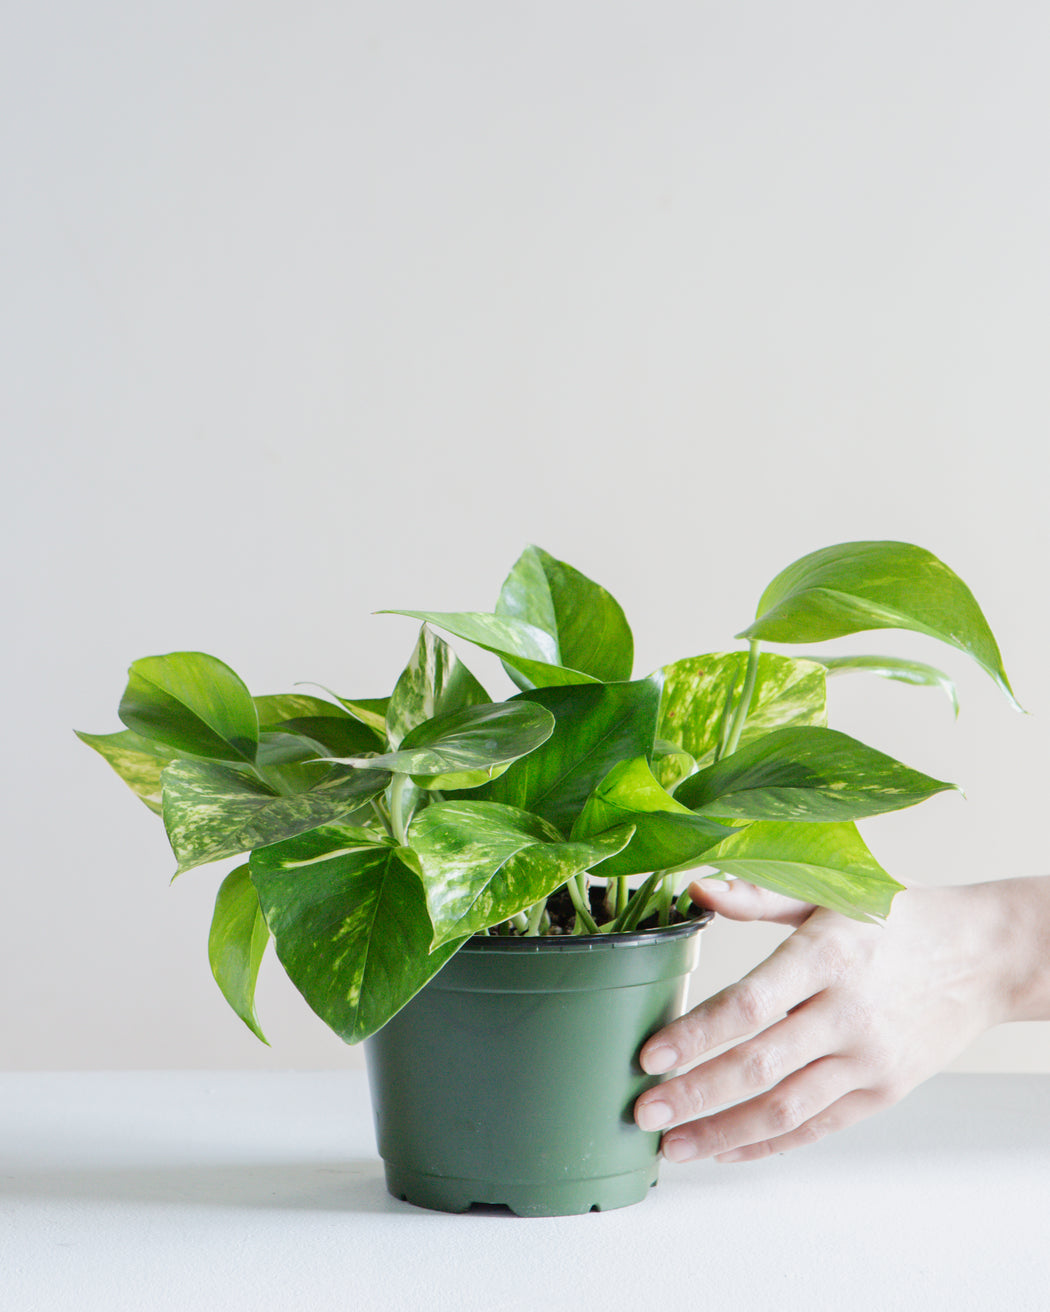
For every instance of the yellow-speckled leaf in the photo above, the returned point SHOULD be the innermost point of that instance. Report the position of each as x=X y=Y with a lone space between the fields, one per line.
x=697 y=689
x=483 y=862
x=138 y=762
x=806 y=773
x=213 y=810
x=827 y=864
x=350 y=926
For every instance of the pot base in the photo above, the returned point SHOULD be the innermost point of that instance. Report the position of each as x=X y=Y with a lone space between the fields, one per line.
x=551 y=1198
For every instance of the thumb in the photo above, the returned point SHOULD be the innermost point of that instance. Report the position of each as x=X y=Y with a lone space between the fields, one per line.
x=740 y=901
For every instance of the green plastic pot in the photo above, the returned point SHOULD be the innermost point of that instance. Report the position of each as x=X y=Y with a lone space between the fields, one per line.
x=511 y=1077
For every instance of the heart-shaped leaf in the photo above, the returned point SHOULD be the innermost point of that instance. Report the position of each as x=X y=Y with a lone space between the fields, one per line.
x=213 y=810
x=698 y=690
x=434 y=682
x=191 y=702
x=806 y=773
x=827 y=864
x=483 y=862
x=589 y=628
x=596 y=726
x=667 y=835
x=236 y=944
x=518 y=644
x=876 y=585
x=350 y=926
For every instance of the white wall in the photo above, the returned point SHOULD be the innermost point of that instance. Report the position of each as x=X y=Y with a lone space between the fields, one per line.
x=314 y=308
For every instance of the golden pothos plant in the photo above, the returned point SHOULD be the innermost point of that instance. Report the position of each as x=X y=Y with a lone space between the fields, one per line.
x=381 y=834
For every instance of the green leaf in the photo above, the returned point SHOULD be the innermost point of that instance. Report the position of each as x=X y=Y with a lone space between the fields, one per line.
x=827 y=864
x=667 y=835
x=697 y=691
x=876 y=585
x=518 y=644
x=596 y=726
x=213 y=810
x=191 y=702
x=340 y=733
x=589 y=628
x=893 y=667
x=138 y=761
x=483 y=862
x=369 y=710
x=671 y=764
x=473 y=742
x=350 y=926
x=236 y=944
x=806 y=774
x=434 y=682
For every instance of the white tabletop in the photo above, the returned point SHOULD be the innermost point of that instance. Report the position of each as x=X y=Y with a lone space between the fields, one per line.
x=189 y=1190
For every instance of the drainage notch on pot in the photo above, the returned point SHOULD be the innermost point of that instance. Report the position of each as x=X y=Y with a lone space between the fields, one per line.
x=511 y=1077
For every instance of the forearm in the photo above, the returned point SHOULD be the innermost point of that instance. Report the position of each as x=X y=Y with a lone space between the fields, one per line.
x=1021 y=941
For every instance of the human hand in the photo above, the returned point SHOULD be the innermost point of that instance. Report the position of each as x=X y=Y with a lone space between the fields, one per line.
x=851 y=1015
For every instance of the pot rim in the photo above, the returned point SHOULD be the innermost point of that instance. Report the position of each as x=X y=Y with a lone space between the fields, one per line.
x=588 y=942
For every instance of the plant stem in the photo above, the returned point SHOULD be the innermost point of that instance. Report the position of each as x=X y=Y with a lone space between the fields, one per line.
x=381 y=815
x=398 y=808
x=520 y=922
x=579 y=901
x=684 y=903
x=535 y=917
x=637 y=907
x=664 y=898
x=747 y=693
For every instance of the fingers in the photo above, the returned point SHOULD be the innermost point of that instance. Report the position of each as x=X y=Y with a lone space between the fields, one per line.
x=742 y=1072
x=737 y=900
x=796 y=970
x=840 y=1115
x=782 y=1114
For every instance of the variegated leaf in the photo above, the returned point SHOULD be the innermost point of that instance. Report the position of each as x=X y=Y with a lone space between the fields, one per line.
x=477 y=739
x=350 y=926
x=698 y=689
x=138 y=762
x=213 y=810
x=827 y=864
x=806 y=773
x=434 y=682
x=483 y=862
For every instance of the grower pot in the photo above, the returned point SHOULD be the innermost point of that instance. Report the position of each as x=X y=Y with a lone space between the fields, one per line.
x=510 y=1078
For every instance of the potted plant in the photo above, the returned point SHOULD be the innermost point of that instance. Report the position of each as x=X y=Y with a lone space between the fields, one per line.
x=491 y=892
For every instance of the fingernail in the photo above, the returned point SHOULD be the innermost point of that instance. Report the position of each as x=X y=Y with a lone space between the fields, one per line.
x=652 y=1115
x=678 y=1150
x=659 y=1059
x=736 y=1155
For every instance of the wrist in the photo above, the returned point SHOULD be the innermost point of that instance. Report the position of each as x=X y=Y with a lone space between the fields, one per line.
x=1019 y=945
